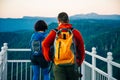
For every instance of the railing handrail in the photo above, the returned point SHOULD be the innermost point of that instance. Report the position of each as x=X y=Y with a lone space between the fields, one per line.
x=102 y=72
x=97 y=56
x=19 y=49
x=18 y=61
x=87 y=52
x=103 y=59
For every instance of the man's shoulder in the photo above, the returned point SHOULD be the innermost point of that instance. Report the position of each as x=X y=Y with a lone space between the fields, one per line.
x=75 y=30
x=55 y=30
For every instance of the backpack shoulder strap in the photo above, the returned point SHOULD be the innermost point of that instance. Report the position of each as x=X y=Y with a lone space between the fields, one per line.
x=72 y=29
x=55 y=30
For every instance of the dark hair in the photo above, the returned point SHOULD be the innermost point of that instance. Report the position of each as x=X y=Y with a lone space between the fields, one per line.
x=40 y=26
x=63 y=17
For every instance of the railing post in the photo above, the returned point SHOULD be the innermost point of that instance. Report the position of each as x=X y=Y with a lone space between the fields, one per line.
x=1 y=65
x=3 y=62
x=109 y=66
x=5 y=45
x=93 y=63
x=83 y=71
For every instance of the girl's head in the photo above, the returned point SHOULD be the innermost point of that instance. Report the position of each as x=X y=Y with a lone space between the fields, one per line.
x=40 y=26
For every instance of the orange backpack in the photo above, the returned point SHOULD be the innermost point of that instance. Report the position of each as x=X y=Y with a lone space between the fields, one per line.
x=64 y=48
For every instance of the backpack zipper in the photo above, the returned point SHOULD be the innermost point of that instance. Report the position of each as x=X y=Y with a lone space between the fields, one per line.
x=59 y=50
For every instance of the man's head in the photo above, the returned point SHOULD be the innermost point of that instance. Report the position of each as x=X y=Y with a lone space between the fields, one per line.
x=63 y=17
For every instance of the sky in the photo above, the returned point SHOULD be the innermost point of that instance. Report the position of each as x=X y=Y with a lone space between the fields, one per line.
x=51 y=8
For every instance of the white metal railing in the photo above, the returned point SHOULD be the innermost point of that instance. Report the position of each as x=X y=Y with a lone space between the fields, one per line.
x=96 y=73
x=21 y=69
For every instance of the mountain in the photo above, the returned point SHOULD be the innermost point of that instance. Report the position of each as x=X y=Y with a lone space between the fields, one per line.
x=48 y=20
x=27 y=22
x=95 y=16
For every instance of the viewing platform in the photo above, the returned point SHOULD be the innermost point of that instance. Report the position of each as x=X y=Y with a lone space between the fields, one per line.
x=22 y=70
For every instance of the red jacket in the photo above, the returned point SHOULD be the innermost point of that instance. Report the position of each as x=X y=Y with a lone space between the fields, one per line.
x=49 y=40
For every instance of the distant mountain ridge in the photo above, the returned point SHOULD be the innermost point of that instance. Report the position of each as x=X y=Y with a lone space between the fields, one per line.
x=25 y=23
x=80 y=16
x=76 y=16
x=96 y=16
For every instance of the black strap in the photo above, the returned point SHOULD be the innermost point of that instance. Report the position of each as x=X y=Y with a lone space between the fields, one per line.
x=55 y=30
x=51 y=64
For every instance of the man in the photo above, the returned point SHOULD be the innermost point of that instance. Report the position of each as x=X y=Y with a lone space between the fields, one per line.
x=64 y=72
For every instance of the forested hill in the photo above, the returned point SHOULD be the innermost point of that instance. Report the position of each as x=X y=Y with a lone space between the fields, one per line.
x=18 y=39
x=103 y=34
x=107 y=42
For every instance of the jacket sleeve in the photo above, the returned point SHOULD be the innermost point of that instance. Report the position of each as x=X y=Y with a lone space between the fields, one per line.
x=80 y=52
x=47 y=43
x=31 y=40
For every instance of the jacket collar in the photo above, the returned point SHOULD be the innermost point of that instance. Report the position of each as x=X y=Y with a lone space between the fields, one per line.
x=65 y=25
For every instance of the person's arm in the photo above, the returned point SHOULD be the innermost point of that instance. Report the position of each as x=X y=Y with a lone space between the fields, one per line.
x=47 y=43
x=80 y=52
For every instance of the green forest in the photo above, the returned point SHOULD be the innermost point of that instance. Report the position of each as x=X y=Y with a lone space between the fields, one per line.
x=102 y=34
